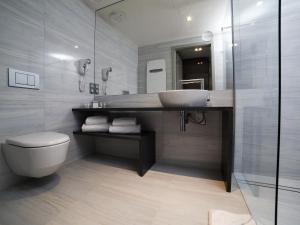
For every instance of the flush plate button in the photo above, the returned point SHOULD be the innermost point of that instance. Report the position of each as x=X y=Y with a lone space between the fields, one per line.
x=31 y=80
x=22 y=79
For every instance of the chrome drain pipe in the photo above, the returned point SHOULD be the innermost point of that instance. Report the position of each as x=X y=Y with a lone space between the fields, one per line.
x=183 y=121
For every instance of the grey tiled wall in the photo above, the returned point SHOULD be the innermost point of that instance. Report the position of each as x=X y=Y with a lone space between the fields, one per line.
x=199 y=146
x=114 y=49
x=153 y=52
x=160 y=51
x=289 y=199
x=165 y=51
x=31 y=30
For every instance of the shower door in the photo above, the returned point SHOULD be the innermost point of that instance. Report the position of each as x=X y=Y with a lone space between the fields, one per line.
x=256 y=81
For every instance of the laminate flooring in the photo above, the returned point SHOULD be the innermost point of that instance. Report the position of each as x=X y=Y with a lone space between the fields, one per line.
x=102 y=191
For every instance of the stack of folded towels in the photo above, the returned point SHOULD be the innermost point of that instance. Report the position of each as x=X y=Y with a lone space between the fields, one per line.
x=125 y=125
x=95 y=124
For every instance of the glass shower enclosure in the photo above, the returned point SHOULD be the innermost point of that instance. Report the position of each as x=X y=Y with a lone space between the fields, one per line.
x=266 y=43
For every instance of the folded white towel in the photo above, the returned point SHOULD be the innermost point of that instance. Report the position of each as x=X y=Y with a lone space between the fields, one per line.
x=95 y=128
x=124 y=121
x=92 y=120
x=132 y=129
x=220 y=217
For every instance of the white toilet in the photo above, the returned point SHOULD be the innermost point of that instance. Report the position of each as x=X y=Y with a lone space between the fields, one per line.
x=37 y=154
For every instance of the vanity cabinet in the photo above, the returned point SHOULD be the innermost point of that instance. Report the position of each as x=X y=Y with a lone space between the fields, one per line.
x=147 y=139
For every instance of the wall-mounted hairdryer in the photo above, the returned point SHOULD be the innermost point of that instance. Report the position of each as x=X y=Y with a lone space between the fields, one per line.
x=82 y=69
x=105 y=73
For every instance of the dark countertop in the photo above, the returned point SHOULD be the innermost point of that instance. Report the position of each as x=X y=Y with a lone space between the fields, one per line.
x=124 y=109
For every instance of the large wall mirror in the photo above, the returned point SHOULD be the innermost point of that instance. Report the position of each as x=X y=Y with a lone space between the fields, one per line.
x=148 y=46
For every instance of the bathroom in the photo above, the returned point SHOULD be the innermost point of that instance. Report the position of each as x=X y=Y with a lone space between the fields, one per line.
x=224 y=151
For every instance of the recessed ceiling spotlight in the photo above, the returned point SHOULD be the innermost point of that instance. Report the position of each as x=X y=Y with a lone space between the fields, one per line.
x=76 y=46
x=198 y=49
x=259 y=3
x=189 y=18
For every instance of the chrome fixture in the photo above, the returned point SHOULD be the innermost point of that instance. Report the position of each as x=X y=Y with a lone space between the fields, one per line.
x=194 y=81
x=105 y=73
x=198 y=117
x=82 y=69
x=183 y=120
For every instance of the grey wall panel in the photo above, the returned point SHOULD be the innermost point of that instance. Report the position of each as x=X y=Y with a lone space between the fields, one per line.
x=290 y=128
x=199 y=146
x=115 y=50
x=30 y=32
x=289 y=166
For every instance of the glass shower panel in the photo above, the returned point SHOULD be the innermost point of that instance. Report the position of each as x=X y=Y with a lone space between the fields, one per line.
x=289 y=166
x=256 y=55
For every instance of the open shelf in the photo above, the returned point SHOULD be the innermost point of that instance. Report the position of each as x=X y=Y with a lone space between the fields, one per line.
x=120 y=136
x=146 y=147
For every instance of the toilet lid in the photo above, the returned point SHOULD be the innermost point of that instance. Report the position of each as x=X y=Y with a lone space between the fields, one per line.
x=36 y=140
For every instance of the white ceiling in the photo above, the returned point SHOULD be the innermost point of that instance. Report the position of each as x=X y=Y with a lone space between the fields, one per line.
x=154 y=21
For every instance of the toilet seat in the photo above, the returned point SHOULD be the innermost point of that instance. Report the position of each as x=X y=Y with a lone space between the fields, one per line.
x=37 y=140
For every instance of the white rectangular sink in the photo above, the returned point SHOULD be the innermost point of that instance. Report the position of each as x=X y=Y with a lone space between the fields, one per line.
x=184 y=98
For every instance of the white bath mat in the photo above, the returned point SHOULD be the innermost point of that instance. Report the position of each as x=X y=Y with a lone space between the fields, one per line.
x=219 y=217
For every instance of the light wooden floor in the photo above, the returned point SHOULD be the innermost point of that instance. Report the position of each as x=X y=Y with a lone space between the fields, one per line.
x=93 y=191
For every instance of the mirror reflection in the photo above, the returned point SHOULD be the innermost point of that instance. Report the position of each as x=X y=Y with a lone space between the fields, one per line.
x=149 y=46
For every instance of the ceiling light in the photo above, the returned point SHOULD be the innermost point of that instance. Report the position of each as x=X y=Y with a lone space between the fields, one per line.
x=189 y=18
x=259 y=3
x=76 y=46
x=198 y=49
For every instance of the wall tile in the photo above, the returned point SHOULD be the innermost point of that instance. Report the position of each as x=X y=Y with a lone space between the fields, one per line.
x=33 y=29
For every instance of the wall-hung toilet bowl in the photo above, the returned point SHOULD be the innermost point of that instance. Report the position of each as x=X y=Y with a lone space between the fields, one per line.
x=36 y=155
